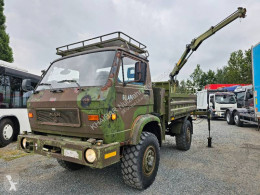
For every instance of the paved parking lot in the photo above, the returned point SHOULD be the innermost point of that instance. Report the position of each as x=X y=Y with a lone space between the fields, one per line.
x=232 y=166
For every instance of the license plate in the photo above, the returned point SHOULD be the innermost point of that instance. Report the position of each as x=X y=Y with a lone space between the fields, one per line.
x=71 y=153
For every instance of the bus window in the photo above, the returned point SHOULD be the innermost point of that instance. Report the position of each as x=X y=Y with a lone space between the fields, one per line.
x=11 y=94
x=5 y=91
x=16 y=93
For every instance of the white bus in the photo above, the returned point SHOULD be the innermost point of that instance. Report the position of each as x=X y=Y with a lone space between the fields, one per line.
x=13 y=112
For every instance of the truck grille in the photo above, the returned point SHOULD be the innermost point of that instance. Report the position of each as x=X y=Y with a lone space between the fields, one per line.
x=61 y=117
x=223 y=108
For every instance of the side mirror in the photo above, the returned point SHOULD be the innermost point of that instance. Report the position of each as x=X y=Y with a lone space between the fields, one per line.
x=211 y=100
x=249 y=95
x=43 y=72
x=140 y=71
x=27 y=85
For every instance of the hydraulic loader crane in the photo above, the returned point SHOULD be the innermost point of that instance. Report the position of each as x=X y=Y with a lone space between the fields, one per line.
x=193 y=46
x=195 y=43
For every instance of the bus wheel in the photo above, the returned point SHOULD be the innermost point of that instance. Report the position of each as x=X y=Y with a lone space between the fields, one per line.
x=6 y=132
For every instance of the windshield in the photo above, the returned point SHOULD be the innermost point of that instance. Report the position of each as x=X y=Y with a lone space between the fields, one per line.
x=87 y=70
x=241 y=96
x=225 y=99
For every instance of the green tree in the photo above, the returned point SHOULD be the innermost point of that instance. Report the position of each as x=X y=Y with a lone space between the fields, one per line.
x=207 y=78
x=6 y=52
x=239 y=69
x=182 y=88
x=196 y=77
x=220 y=76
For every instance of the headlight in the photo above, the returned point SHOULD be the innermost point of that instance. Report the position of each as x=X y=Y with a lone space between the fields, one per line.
x=90 y=155
x=24 y=141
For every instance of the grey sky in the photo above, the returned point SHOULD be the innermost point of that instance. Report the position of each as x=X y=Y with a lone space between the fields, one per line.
x=37 y=27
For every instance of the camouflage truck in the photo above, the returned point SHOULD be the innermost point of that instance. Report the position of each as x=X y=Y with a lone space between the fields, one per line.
x=96 y=106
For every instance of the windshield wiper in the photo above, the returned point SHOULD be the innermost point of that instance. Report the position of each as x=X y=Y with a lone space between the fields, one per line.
x=47 y=84
x=71 y=81
x=52 y=90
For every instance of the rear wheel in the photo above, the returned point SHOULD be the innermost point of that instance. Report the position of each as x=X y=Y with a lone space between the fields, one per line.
x=183 y=140
x=140 y=163
x=237 y=119
x=70 y=165
x=6 y=132
x=229 y=118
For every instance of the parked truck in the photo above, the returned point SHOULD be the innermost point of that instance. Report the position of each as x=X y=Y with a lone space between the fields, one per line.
x=244 y=96
x=219 y=101
x=96 y=105
x=247 y=96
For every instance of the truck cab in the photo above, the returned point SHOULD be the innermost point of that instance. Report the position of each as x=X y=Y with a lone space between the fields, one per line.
x=244 y=95
x=219 y=102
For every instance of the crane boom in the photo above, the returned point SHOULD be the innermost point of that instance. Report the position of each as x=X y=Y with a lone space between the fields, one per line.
x=195 y=43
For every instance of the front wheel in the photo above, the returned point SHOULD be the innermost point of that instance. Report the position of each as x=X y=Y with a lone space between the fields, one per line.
x=229 y=118
x=6 y=132
x=237 y=120
x=140 y=163
x=183 y=140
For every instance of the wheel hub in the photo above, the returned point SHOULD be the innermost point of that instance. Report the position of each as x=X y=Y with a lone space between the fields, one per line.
x=7 y=132
x=228 y=117
x=149 y=160
x=236 y=119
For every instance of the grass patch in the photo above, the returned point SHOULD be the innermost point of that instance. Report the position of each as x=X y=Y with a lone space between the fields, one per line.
x=9 y=155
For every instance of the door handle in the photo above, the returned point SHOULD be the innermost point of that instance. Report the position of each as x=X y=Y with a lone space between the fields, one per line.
x=147 y=92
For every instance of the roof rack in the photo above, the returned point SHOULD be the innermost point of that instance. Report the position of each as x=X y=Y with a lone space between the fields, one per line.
x=118 y=39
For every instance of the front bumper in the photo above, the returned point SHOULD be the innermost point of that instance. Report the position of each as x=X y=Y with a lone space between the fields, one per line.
x=106 y=154
x=220 y=114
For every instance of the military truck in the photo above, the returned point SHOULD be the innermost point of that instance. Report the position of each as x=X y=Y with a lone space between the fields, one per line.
x=96 y=106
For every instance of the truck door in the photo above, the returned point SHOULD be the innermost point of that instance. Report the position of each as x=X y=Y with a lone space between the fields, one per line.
x=134 y=95
x=212 y=101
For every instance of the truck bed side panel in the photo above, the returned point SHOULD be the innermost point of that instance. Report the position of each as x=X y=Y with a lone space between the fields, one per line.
x=177 y=105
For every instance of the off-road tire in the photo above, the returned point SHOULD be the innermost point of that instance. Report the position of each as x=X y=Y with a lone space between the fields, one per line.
x=70 y=165
x=135 y=173
x=5 y=124
x=237 y=121
x=229 y=118
x=183 y=140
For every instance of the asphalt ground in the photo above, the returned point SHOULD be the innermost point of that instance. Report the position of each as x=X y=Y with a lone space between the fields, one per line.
x=231 y=166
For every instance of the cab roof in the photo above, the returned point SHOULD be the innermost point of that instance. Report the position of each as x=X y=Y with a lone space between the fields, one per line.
x=224 y=93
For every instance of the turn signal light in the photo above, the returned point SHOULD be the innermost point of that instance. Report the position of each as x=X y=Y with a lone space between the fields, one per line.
x=30 y=115
x=93 y=117
x=113 y=117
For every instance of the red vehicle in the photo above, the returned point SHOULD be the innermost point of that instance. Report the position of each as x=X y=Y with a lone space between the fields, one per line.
x=218 y=86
